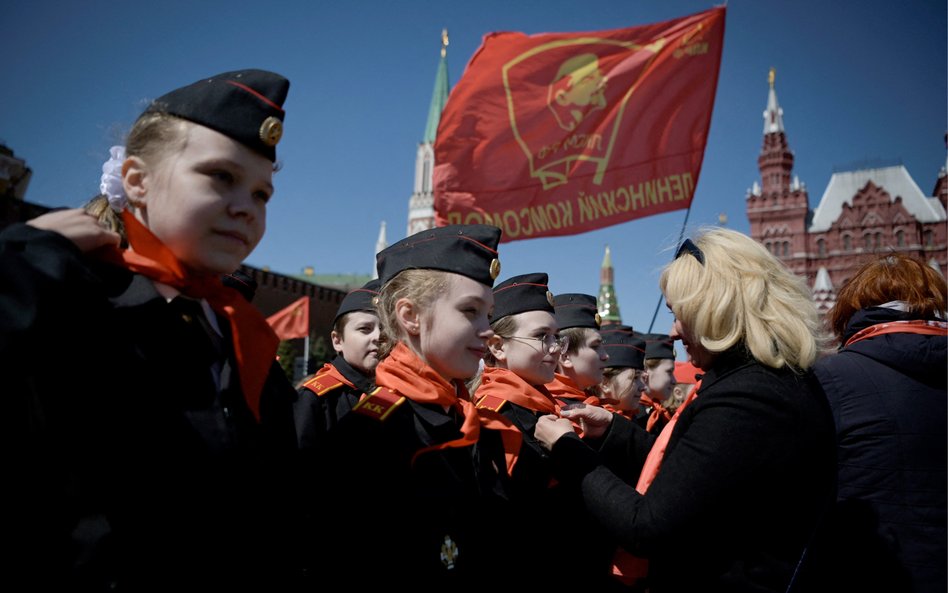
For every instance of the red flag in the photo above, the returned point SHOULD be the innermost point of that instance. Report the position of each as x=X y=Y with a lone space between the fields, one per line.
x=562 y=133
x=293 y=321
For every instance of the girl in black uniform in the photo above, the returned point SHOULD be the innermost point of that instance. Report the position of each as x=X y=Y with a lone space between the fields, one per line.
x=152 y=453
x=334 y=389
x=417 y=484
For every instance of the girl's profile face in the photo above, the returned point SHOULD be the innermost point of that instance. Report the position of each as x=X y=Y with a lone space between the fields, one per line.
x=455 y=330
x=627 y=387
x=359 y=342
x=661 y=380
x=588 y=361
x=528 y=352
x=208 y=202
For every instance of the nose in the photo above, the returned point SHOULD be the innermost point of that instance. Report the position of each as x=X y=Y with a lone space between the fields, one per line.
x=243 y=203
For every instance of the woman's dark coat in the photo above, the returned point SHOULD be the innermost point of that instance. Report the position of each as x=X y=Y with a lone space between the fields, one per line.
x=890 y=403
x=746 y=476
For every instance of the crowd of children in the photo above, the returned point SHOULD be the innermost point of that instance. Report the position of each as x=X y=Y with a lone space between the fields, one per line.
x=467 y=435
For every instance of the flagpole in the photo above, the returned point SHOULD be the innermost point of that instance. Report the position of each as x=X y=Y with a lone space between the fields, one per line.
x=306 y=356
x=681 y=235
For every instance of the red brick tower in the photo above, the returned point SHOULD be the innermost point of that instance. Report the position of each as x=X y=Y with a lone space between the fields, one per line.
x=778 y=207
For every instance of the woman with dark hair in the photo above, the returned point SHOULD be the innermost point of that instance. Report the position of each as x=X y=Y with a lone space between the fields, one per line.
x=886 y=387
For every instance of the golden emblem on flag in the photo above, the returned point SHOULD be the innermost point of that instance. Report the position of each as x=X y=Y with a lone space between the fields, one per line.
x=586 y=106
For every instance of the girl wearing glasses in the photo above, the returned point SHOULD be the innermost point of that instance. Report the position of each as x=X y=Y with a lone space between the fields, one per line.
x=523 y=356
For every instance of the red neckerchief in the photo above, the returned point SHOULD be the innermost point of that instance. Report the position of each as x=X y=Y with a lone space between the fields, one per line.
x=567 y=392
x=255 y=344
x=916 y=326
x=405 y=373
x=508 y=385
x=658 y=411
x=564 y=388
x=627 y=568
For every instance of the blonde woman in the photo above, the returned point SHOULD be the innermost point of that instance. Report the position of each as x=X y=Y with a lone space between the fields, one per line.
x=748 y=468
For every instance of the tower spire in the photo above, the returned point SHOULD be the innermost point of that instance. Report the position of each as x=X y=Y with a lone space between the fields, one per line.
x=421 y=204
x=608 y=305
x=440 y=94
x=773 y=115
x=778 y=207
x=776 y=159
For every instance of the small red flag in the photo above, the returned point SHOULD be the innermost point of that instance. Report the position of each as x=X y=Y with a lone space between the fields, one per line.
x=563 y=133
x=293 y=321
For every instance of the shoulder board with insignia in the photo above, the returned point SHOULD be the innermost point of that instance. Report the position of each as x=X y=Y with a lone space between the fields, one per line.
x=323 y=383
x=491 y=402
x=379 y=404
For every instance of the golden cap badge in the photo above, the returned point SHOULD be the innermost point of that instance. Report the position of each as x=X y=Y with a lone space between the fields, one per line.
x=494 y=269
x=598 y=320
x=549 y=298
x=271 y=130
x=375 y=301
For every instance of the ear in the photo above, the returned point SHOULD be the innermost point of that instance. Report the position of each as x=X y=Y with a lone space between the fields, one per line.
x=606 y=387
x=336 y=341
x=135 y=179
x=408 y=316
x=497 y=347
x=565 y=361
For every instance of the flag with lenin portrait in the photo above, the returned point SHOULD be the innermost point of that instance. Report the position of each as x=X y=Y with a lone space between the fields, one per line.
x=563 y=133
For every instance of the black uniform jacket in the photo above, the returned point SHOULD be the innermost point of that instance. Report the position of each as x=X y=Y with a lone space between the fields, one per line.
x=579 y=556
x=321 y=403
x=746 y=477
x=128 y=470
x=430 y=524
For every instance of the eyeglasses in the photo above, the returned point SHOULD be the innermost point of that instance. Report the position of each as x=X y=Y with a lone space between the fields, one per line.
x=553 y=343
x=687 y=246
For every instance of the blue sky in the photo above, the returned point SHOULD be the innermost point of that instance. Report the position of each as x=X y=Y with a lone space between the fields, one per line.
x=857 y=79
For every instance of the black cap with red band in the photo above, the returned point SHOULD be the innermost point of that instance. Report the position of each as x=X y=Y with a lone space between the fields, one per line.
x=246 y=105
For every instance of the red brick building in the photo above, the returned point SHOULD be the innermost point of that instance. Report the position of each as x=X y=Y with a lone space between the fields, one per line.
x=862 y=213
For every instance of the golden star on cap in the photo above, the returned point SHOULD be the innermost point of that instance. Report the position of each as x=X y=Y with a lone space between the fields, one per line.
x=271 y=130
x=494 y=269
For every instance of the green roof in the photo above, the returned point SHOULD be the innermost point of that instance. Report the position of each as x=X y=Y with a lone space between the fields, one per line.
x=438 y=99
x=340 y=281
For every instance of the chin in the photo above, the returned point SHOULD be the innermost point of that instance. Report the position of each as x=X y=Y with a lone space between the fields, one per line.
x=219 y=265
